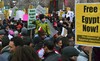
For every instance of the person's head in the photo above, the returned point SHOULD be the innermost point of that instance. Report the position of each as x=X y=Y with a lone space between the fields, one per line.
x=24 y=53
x=11 y=32
x=5 y=41
x=27 y=41
x=2 y=32
x=1 y=22
x=71 y=40
x=19 y=26
x=42 y=17
x=70 y=36
x=56 y=34
x=7 y=27
x=65 y=41
x=68 y=53
x=15 y=42
x=42 y=34
x=15 y=33
x=58 y=42
x=48 y=46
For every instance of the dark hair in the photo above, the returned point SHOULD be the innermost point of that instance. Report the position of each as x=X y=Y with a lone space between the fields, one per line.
x=27 y=40
x=5 y=41
x=41 y=16
x=68 y=18
x=24 y=53
x=17 y=41
x=49 y=45
x=57 y=40
x=70 y=35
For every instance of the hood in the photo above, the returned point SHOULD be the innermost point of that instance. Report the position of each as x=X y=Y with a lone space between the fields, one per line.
x=5 y=49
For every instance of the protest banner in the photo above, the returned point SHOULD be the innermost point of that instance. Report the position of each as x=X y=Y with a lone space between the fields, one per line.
x=25 y=17
x=6 y=14
x=88 y=24
x=31 y=18
x=19 y=15
x=1 y=4
x=40 y=10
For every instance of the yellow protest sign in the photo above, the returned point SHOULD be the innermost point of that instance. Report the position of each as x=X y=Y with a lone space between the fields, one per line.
x=31 y=6
x=68 y=9
x=6 y=14
x=1 y=4
x=47 y=9
x=61 y=13
x=88 y=24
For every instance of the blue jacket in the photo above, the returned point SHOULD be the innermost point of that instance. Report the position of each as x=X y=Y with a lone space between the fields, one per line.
x=2 y=58
x=5 y=54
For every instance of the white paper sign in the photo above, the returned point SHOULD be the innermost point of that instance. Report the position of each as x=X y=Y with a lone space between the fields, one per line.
x=71 y=15
x=40 y=10
x=64 y=32
x=19 y=14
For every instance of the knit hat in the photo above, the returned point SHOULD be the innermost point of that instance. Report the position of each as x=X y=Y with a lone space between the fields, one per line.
x=15 y=33
x=24 y=31
x=69 y=51
x=19 y=26
x=11 y=32
x=41 y=31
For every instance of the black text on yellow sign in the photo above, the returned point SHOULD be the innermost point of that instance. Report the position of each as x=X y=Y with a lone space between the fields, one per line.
x=90 y=20
x=88 y=24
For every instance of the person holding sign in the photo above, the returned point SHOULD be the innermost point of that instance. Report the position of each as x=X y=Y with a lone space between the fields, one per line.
x=44 y=24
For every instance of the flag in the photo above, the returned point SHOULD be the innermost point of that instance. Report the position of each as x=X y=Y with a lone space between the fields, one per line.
x=66 y=2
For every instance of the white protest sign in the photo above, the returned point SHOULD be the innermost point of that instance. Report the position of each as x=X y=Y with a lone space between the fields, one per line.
x=13 y=11
x=71 y=15
x=2 y=16
x=64 y=32
x=19 y=14
x=40 y=10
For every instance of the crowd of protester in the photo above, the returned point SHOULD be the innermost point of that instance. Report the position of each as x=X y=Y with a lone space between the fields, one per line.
x=16 y=44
